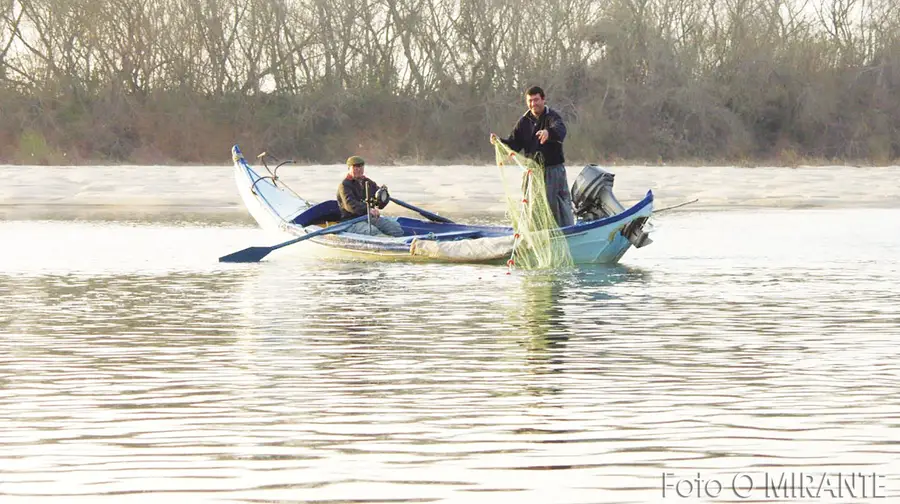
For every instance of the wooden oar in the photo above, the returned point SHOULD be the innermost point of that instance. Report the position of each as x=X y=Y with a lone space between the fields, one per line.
x=255 y=254
x=425 y=213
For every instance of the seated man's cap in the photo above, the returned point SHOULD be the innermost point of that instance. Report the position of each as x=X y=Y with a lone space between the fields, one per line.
x=355 y=160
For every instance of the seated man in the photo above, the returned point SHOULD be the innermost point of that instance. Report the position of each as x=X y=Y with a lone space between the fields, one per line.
x=351 y=197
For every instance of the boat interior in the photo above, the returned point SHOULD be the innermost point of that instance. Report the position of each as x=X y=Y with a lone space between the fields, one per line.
x=328 y=213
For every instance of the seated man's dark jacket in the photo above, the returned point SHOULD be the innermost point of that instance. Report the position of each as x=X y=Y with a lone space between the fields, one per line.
x=351 y=196
x=523 y=137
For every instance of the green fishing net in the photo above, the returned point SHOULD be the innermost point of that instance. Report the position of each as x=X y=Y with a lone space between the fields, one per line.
x=539 y=242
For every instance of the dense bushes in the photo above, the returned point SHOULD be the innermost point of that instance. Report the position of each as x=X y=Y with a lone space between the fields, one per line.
x=426 y=80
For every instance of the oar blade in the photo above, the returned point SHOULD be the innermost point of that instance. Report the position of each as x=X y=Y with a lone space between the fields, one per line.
x=424 y=213
x=438 y=218
x=248 y=255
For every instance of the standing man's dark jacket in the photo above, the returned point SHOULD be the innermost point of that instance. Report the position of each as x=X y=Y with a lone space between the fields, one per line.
x=351 y=197
x=522 y=137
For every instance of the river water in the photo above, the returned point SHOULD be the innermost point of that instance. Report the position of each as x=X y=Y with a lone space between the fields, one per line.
x=741 y=347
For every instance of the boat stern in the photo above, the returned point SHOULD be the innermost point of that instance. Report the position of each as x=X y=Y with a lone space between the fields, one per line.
x=605 y=241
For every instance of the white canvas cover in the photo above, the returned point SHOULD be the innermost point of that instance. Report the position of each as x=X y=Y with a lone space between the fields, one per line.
x=480 y=249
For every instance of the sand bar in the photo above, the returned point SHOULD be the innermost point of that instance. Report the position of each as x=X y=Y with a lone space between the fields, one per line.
x=451 y=190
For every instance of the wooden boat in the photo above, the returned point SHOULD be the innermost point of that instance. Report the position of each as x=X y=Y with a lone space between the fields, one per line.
x=603 y=232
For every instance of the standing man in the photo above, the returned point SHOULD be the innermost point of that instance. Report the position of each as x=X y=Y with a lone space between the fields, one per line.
x=351 y=198
x=540 y=133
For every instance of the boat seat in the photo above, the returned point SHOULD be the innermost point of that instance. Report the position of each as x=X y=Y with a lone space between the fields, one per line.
x=323 y=212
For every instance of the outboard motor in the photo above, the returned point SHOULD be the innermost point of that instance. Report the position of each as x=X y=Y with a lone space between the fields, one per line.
x=592 y=194
x=593 y=198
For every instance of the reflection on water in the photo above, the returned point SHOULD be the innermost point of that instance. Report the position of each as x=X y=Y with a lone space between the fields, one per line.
x=540 y=307
x=133 y=367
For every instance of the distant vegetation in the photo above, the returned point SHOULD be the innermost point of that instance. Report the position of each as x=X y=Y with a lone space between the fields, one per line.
x=689 y=81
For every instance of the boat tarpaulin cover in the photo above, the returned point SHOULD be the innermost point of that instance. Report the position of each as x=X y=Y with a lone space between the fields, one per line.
x=481 y=249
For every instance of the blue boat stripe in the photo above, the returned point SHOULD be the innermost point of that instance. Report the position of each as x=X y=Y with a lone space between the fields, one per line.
x=587 y=226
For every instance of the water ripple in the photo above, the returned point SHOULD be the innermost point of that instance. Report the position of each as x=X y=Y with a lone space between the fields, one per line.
x=734 y=344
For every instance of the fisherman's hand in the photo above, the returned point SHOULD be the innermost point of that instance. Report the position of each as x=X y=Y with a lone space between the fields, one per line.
x=494 y=139
x=542 y=136
x=374 y=212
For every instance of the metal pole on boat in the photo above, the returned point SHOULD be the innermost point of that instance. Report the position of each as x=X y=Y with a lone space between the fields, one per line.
x=368 y=215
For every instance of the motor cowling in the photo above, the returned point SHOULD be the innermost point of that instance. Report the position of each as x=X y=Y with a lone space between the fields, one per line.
x=593 y=198
x=592 y=194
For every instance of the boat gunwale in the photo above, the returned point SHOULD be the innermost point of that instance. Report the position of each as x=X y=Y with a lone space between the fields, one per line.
x=399 y=243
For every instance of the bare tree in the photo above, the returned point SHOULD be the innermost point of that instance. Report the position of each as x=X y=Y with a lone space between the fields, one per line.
x=642 y=79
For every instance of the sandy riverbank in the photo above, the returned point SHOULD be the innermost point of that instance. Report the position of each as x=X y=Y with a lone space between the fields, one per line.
x=42 y=191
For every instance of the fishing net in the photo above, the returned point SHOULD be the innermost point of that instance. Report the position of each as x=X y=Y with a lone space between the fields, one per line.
x=539 y=243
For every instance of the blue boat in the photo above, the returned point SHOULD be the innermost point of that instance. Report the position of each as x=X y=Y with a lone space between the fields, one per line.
x=603 y=232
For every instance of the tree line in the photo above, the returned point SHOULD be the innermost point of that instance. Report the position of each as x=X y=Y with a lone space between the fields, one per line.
x=158 y=81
